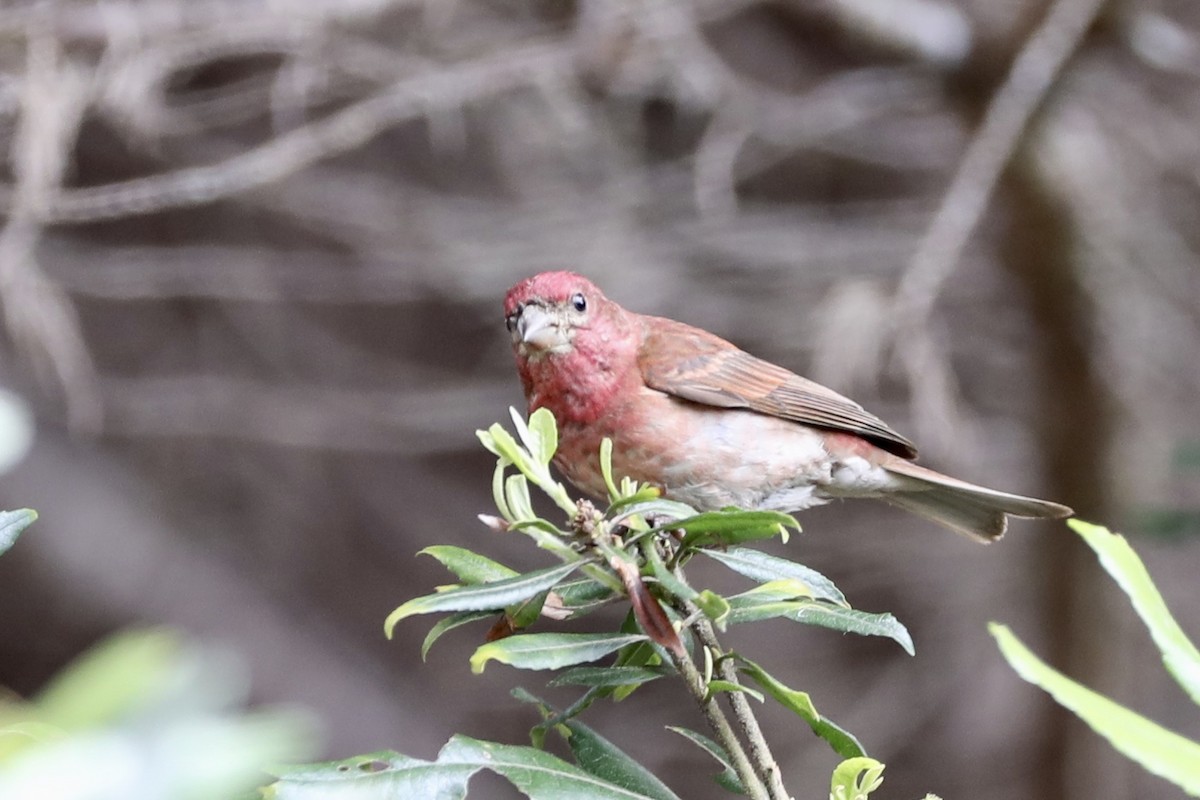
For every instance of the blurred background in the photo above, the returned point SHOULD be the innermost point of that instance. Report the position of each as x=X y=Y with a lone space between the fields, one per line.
x=251 y=266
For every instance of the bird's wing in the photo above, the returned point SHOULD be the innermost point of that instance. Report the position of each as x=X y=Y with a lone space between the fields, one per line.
x=695 y=365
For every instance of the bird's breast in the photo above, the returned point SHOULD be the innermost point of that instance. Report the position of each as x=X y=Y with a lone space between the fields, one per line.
x=706 y=457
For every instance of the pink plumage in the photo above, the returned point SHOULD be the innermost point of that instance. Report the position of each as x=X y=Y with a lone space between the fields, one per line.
x=712 y=425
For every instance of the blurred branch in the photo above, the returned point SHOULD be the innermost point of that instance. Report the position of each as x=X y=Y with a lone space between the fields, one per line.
x=926 y=365
x=39 y=316
x=448 y=87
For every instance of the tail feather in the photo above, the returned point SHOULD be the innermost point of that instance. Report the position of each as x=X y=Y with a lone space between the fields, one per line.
x=966 y=508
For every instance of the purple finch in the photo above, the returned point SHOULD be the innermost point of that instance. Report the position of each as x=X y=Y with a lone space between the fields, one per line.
x=713 y=426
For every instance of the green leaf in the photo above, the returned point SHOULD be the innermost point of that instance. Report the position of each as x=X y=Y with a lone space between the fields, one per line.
x=545 y=431
x=536 y=773
x=385 y=775
x=487 y=596
x=516 y=491
x=745 y=608
x=1160 y=751
x=583 y=596
x=664 y=575
x=714 y=606
x=111 y=680
x=763 y=567
x=606 y=677
x=855 y=778
x=606 y=448
x=11 y=525
x=540 y=435
x=524 y=614
x=450 y=623
x=498 y=498
x=842 y=742
x=731 y=527
x=719 y=685
x=728 y=778
x=605 y=760
x=646 y=503
x=502 y=443
x=468 y=566
x=550 y=650
x=1118 y=558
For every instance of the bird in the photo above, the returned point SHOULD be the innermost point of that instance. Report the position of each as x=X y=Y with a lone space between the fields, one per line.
x=713 y=426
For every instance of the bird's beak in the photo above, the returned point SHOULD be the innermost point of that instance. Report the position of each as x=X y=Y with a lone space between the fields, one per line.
x=538 y=329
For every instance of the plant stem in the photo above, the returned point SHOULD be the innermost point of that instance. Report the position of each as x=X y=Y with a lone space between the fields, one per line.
x=720 y=727
x=760 y=753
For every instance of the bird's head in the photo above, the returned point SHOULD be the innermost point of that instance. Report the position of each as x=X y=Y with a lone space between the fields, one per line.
x=545 y=313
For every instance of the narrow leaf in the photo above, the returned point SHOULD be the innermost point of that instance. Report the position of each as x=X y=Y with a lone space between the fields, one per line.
x=1118 y=558
x=376 y=776
x=516 y=492
x=763 y=567
x=606 y=449
x=728 y=778
x=583 y=596
x=536 y=773
x=606 y=677
x=11 y=525
x=651 y=617
x=524 y=614
x=469 y=567
x=450 y=623
x=504 y=445
x=647 y=504
x=662 y=574
x=605 y=760
x=812 y=612
x=1161 y=751
x=498 y=498
x=486 y=596
x=729 y=686
x=731 y=527
x=842 y=742
x=545 y=431
x=550 y=650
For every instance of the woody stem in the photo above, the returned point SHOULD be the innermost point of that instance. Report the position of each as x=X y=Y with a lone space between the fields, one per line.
x=764 y=762
x=719 y=724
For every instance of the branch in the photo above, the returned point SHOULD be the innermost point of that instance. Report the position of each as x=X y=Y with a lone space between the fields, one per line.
x=760 y=752
x=450 y=87
x=930 y=379
x=719 y=725
x=1008 y=115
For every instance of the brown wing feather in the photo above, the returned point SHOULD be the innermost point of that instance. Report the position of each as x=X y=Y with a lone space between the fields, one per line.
x=695 y=365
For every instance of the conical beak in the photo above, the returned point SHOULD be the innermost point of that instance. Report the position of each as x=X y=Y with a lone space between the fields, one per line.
x=538 y=329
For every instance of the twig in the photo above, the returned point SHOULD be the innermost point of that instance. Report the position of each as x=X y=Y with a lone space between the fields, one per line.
x=451 y=87
x=925 y=365
x=1032 y=74
x=760 y=752
x=39 y=316
x=720 y=726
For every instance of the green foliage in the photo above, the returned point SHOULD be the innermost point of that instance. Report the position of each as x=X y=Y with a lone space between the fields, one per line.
x=1160 y=751
x=12 y=523
x=142 y=715
x=633 y=552
x=855 y=779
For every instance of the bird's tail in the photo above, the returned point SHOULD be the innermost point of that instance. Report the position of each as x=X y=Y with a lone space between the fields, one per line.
x=963 y=507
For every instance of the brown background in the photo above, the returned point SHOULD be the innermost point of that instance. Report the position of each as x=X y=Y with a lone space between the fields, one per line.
x=251 y=273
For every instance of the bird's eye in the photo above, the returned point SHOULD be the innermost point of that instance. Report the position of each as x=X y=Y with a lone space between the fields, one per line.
x=579 y=302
